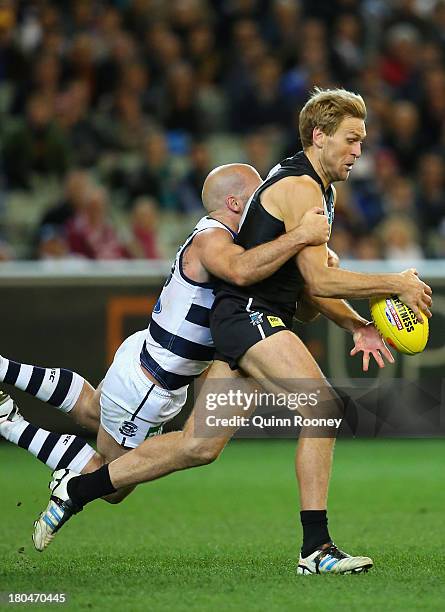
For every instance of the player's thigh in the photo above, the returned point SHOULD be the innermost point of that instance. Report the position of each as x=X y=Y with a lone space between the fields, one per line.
x=280 y=356
x=281 y=363
x=209 y=440
x=108 y=447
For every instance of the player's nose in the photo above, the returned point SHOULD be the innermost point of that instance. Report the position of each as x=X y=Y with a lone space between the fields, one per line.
x=357 y=149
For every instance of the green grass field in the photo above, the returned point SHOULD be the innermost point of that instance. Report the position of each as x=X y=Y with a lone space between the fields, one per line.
x=226 y=536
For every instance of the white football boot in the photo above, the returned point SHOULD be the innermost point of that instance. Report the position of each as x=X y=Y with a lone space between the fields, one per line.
x=9 y=413
x=58 y=511
x=332 y=560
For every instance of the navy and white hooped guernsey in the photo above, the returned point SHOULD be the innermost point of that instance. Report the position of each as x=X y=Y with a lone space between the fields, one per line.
x=178 y=346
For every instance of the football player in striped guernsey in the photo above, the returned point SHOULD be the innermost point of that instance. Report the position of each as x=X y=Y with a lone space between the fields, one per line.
x=146 y=385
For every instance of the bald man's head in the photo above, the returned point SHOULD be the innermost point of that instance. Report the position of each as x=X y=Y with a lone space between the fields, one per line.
x=231 y=181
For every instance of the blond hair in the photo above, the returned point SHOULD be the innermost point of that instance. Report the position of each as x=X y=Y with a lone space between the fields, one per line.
x=326 y=109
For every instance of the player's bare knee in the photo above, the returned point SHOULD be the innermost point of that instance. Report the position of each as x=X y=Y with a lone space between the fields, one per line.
x=203 y=453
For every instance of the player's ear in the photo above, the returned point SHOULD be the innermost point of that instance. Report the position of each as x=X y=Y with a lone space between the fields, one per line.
x=233 y=204
x=318 y=137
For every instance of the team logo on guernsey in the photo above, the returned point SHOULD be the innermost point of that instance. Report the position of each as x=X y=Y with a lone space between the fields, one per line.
x=158 y=306
x=275 y=322
x=128 y=429
x=256 y=318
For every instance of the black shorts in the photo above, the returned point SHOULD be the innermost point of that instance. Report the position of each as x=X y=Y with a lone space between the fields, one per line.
x=238 y=322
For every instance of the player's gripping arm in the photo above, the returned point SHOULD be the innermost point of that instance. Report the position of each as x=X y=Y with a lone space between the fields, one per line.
x=230 y=262
x=366 y=337
x=294 y=196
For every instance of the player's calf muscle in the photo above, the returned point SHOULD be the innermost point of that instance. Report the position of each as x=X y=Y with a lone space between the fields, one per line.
x=119 y=496
x=96 y=462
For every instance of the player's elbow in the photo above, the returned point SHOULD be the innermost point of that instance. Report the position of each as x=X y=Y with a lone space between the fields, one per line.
x=317 y=284
x=239 y=278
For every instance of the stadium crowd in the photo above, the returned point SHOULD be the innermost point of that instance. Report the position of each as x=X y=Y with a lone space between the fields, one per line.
x=112 y=113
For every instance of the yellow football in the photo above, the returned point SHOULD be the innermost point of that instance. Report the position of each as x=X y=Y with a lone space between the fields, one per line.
x=398 y=325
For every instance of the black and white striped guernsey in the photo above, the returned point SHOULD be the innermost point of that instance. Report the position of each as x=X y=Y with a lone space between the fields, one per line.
x=179 y=346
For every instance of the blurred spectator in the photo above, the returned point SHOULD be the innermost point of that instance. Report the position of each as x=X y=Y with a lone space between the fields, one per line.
x=179 y=106
x=82 y=15
x=13 y=64
x=282 y=30
x=367 y=247
x=312 y=63
x=347 y=47
x=110 y=68
x=205 y=57
x=45 y=80
x=73 y=116
x=163 y=49
x=90 y=233
x=399 y=198
x=400 y=239
x=81 y=63
x=129 y=127
x=155 y=176
x=35 y=145
x=259 y=153
x=432 y=106
x=186 y=14
x=144 y=224
x=139 y=15
x=77 y=183
x=403 y=135
x=247 y=51
x=135 y=80
x=438 y=21
x=430 y=201
x=264 y=105
x=399 y=63
x=369 y=194
x=341 y=242
x=190 y=187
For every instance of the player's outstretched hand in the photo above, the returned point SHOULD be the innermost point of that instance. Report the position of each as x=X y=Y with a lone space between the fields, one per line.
x=315 y=225
x=368 y=340
x=416 y=294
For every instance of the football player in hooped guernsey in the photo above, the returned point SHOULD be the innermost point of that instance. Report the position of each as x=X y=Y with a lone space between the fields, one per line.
x=250 y=327
x=146 y=385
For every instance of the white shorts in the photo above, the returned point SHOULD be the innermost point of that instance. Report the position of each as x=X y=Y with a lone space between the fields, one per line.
x=132 y=407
